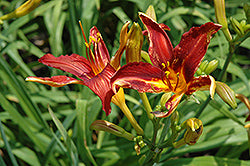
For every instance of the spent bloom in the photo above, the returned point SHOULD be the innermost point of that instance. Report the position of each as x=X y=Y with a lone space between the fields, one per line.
x=173 y=68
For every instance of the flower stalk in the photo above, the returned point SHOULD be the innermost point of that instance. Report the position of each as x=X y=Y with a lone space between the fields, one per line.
x=119 y=100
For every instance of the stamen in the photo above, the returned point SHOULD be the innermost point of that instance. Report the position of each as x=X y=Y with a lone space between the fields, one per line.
x=163 y=65
x=177 y=81
x=90 y=58
x=168 y=82
x=153 y=88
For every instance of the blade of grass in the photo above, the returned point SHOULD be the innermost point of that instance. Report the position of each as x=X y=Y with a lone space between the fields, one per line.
x=8 y=148
x=71 y=148
x=16 y=87
x=81 y=108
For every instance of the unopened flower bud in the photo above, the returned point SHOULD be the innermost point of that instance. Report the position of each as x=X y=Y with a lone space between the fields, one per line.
x=212 y=65
x=203 y=65
x=151 y=12
x=134 y=44
x=219 y=6
x=24 y=9
x=237 y=26
x=194 y=130
x=138 y=144
x=102 y=125
x=164 y=98
x=226 y=94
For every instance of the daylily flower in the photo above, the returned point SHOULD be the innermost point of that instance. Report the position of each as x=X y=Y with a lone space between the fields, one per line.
x=95 y=71
x=173 y=68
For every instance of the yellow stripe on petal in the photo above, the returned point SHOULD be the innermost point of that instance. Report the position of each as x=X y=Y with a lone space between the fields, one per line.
x=55 y=81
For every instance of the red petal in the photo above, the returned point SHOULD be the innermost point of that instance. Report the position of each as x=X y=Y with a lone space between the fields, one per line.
x=100 y=49
x=160 y=48
x=100 y=85
x=74 y=64
x=201 y=83
x=171 y=105
x=192 y=48
x=55 y=81
x=141 y=76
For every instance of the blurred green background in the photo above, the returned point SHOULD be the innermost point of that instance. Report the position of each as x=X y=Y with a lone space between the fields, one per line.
x=29 y=136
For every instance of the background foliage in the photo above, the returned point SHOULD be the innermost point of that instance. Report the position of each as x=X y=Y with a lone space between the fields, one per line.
x=29 y=135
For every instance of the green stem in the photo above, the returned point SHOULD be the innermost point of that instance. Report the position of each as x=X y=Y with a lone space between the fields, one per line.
x=248 y=134
x=156 y=127
x=222 y=73
x=147 y=106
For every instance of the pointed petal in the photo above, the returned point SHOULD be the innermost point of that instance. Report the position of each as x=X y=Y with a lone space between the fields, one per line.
x=192 y=48
x=55 y=81
x=160 y=47
x=100 y=85
x=171 y=105
x=202 y=83
x=141 y=76
x=100 y=50
x=74 y=64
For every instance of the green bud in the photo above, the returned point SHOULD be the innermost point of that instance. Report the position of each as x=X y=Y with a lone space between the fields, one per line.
x=138 y=144
x=102 y=125
x=145 y=56
x=198 y=72
x=134 y=44
x=164 y=98
x=243 y=23
x=226 y=94
x=219 y=6
x=246 y=27
x=203 y=65
x=237 y=26
x=212 y=65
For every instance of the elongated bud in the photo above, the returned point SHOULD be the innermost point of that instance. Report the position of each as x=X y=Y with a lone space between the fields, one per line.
x=151 y=12
x=102 y=125
x=212 y=65
x=194 y=130
x=219 y=6
x=237 y=26
x=134 y=44
x=24 y=9
x=245 y=100
x=203 y=65
x=226 y=94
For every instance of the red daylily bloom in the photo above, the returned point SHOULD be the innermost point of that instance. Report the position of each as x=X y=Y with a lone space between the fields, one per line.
x=94 y=72
x=173 y=68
